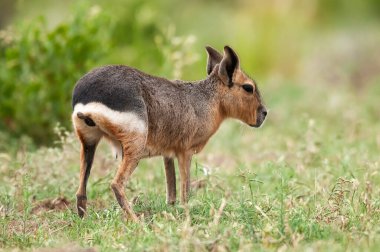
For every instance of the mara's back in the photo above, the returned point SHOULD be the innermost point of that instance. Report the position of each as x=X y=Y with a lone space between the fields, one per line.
x=116 y=86
x=168 y=105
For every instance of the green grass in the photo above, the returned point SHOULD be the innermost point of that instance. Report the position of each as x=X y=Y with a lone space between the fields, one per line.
x=308 y=179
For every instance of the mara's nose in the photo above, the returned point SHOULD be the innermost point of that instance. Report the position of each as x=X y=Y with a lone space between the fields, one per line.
x=263 y=111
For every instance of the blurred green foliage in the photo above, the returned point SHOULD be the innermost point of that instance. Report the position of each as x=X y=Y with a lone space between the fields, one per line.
x=348 y=11
x=38 y=67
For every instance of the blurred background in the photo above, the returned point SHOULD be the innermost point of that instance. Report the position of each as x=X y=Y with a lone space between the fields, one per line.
x=295 y=50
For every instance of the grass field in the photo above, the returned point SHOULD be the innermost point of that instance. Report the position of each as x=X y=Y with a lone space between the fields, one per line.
x=308 y=179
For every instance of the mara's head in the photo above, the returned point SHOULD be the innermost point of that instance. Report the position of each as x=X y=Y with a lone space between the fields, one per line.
x=239 y=94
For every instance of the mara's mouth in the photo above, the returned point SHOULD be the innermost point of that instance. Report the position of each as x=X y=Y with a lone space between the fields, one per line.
x=259 y=123
x=255 y=125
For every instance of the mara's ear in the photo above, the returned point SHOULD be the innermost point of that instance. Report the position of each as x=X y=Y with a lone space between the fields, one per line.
x=228 y=65
x=214 y=58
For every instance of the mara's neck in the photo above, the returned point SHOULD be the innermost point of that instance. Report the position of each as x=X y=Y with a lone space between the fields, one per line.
x=206 y=99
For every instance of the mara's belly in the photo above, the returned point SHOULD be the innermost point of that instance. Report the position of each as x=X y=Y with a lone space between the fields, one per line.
x=172 y=147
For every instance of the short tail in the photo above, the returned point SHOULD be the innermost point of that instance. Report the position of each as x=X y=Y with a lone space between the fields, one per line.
x=86 y=119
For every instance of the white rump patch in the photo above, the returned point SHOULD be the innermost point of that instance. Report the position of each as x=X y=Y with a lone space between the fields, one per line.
x=127 y=120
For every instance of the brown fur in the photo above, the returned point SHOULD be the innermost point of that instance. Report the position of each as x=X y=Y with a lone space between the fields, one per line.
x=180 y=118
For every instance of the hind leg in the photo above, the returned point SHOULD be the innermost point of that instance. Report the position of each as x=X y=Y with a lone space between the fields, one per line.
x=132 y=142
x=132 y=146
x=127 y=128
x=88 y=147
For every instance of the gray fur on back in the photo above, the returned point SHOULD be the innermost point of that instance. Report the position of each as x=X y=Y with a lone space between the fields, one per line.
x=118 y=87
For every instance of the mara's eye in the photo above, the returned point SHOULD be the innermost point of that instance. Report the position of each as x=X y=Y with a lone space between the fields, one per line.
x=248 y=88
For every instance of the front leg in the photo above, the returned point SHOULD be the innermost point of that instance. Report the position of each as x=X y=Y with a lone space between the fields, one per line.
x=170 y=180
x=184 y=161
